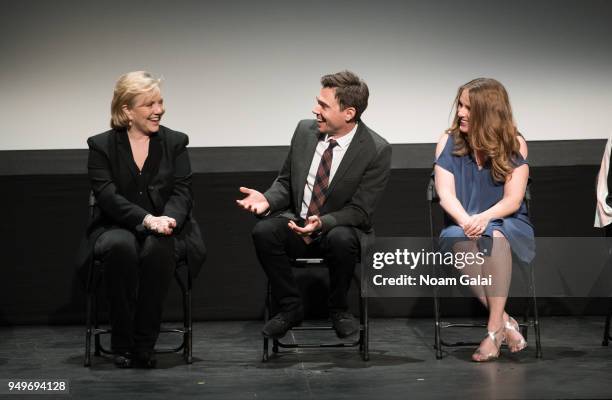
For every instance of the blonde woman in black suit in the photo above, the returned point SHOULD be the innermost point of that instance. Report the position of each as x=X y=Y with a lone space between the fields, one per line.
x=140 y=175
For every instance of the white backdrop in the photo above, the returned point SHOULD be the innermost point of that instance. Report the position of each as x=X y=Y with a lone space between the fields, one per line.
x=242 y=73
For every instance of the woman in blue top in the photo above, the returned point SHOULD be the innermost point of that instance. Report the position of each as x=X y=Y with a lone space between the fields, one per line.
x=481 y=175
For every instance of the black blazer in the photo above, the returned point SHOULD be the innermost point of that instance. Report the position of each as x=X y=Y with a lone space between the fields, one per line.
x=354 y=192
x=112 y=173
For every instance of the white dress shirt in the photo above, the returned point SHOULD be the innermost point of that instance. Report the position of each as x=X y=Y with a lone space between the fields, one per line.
x=338 y=154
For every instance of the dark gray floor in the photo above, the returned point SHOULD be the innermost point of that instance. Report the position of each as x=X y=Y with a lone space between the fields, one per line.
x=403 y=365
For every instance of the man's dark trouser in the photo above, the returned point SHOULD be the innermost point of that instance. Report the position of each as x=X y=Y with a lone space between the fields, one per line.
x=138 y=272
x=276 y=244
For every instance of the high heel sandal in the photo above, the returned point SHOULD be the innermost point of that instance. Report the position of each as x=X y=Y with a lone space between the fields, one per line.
x=514 y=345
x=496 y=342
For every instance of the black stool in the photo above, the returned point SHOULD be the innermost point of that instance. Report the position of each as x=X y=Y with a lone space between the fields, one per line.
x=531 y=307
x=92 y=327
x=366 y=244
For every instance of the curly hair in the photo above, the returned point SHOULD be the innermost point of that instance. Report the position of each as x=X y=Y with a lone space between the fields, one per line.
x=492 y=128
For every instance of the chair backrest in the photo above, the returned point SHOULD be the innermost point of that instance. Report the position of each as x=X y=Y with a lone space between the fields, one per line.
x=92 y=203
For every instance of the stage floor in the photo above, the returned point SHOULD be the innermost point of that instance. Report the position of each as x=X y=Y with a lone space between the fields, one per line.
x=227 y=365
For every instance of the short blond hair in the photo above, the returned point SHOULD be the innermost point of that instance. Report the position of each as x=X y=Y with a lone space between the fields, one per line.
x=129 y=86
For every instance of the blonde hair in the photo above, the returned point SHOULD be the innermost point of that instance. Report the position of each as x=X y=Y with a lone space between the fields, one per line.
x=492 y=128
x=129 y=86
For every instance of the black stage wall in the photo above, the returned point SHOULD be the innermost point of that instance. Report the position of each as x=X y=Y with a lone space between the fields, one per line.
x=45 y=201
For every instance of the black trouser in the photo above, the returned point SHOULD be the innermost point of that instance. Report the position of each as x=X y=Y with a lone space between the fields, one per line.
x=276 y=244
x=138 y=271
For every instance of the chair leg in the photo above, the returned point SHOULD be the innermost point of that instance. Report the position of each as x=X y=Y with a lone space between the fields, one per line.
x=436 y=300
x=536 y=326
x=266 y=355
x=97 y=345
x=366 y=331
x=189 y=327
x=185 y=287
x=536 y=317
x=437 y=333
x=606 y=335
x=185 y=325
x=364 y=322
x=274 y=346
x=88 y=329
x=361 y=324
x=524 y=329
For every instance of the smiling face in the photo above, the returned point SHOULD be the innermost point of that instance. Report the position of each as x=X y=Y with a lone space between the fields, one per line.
x=331 y=119
x=463 y=111
x=146 y=112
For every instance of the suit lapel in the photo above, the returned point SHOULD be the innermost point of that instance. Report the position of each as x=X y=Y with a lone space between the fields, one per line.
x=304 y=159
x=155 y=154
x=351 y=153
x=125 y=152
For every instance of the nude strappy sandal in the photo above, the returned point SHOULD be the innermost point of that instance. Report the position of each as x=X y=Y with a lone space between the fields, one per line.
x=497 y=341
x=514 y=345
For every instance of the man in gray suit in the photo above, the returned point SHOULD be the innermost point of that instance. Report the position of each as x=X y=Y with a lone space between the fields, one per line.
x=328 y=188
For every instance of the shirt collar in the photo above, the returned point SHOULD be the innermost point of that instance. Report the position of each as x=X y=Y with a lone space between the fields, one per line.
x=345 y=140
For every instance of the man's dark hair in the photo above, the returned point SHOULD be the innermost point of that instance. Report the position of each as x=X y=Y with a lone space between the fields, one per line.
x=351 y=91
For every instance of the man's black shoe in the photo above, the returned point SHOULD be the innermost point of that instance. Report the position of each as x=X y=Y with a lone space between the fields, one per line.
x=123 y=360
x=145 y=359
x=278 y=326
x=344 y=323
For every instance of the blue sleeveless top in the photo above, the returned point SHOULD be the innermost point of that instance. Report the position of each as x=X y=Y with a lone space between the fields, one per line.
x=477 y=191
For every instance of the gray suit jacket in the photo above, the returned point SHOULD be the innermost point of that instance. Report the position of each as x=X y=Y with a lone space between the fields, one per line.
x=357 y=185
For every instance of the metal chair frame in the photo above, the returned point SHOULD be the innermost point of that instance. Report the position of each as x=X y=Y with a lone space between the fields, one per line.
x=92 y=325
x=531 y=307
x=366 y=243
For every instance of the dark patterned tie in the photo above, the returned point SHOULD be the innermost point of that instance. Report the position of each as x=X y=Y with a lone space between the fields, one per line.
x=321 y=183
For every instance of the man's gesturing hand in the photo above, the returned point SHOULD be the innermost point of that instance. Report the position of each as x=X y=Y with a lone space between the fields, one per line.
x=312 y=225
x=254 y=202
